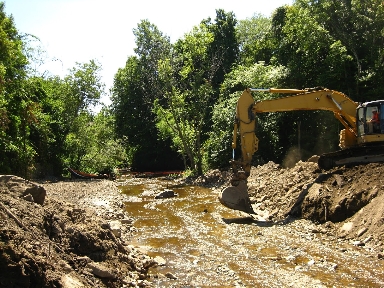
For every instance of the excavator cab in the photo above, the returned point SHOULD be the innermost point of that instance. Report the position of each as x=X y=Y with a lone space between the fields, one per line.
x=370 y=121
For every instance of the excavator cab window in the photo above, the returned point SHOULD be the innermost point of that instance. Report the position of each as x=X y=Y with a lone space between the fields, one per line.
x=371 y=119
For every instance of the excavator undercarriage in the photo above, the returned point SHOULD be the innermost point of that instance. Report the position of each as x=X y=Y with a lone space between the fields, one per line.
x=352 y=156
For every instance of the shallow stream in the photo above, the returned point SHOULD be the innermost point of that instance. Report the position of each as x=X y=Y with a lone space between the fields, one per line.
x=205 y=244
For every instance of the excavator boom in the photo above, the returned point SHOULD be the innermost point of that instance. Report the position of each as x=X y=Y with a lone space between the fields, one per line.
x=311 y=99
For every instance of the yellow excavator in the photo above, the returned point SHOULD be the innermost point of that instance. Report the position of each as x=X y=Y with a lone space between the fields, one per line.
x=361 y=140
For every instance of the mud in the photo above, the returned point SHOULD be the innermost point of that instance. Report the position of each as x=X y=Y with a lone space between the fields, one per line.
x=313 y=229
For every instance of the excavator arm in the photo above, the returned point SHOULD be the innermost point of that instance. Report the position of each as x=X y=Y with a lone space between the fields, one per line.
x=344 y=109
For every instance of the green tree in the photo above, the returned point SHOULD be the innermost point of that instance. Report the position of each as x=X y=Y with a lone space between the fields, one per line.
x=151 y=46
x=38 y=131
x=181 y=116
x=107 y=151
x=255 y=40
x=128 y=107
x=58 y=118
x=136 y=87
x=66 y=115
x=223 y=51
x=313 y=56
x=85 y=87
x=91 y=145
x=358 y=26
x=16 y=108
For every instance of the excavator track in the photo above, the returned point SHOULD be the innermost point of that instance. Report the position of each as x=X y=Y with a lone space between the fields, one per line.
x=352 y=156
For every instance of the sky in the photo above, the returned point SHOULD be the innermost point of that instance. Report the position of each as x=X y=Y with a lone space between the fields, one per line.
x=73 y=31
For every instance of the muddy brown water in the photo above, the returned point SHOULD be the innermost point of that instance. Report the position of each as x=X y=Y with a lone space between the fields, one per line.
x=205 y=244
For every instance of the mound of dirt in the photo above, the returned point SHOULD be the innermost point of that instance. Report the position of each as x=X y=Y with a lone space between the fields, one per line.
x=51 y=236
x=347 y=200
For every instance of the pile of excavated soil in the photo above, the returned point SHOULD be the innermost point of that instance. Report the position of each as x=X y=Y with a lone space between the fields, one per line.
x=350 y=199
x=77 y=233
x=67 y=234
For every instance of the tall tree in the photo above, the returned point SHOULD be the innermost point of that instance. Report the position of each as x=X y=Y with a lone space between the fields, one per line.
x=182 y=115
x=15 y=105
x=220 y=142
x=312 y=54
x=136 y=87
x=131 y=112
x=255 y=40
x=65 y=114
x=85 y=87
x=151 y=46
x=314 y=57
x=128 y=106
x=222 y=55
x=223 y=51
x=358 y=25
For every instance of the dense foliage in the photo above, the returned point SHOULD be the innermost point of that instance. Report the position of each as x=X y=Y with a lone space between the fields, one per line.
x=47 y=123
x=136 y=87
x=173 y=104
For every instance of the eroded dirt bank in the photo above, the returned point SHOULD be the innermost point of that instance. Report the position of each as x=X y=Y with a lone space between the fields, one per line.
x=77 y=238
x=81 y=235
x=348 y=199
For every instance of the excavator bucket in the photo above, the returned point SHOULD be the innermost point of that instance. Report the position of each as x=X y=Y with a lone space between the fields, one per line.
x=236 y=197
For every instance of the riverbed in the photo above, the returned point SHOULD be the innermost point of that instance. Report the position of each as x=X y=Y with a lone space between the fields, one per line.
x=205 y=244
